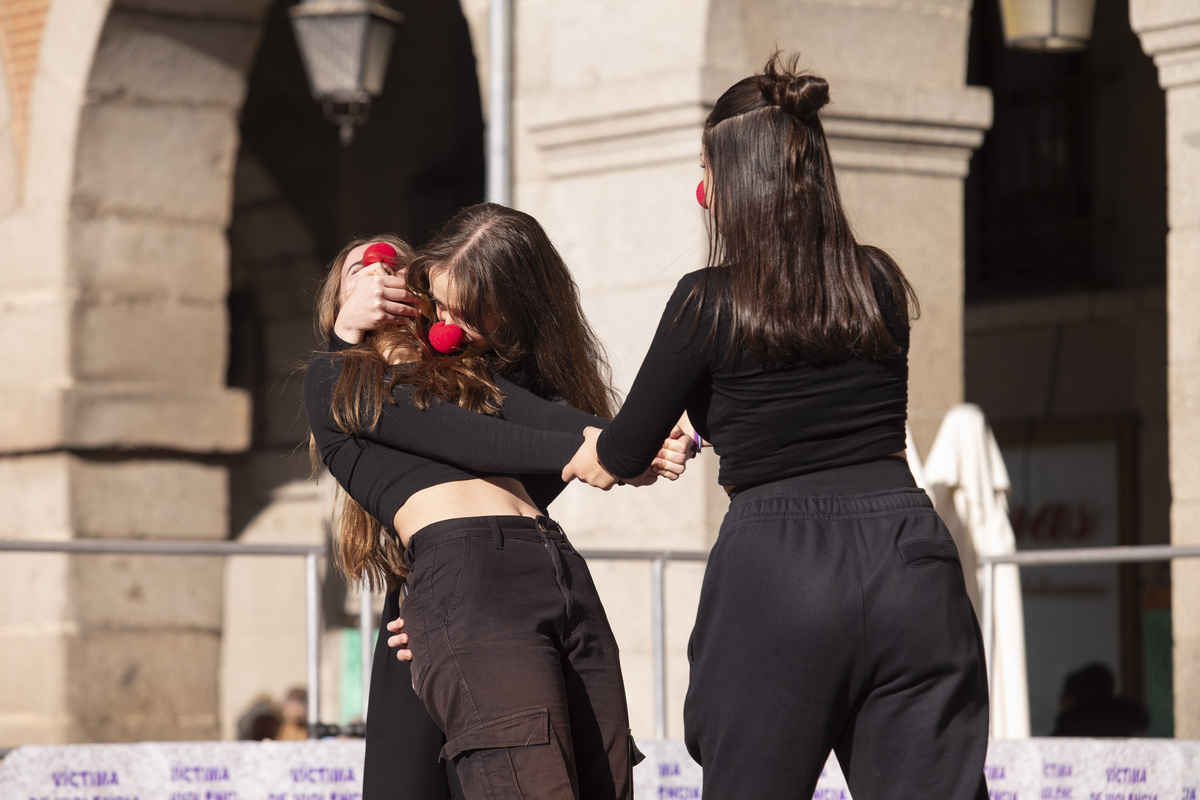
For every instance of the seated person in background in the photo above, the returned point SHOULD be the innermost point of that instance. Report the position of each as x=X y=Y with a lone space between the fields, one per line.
x=1088 y=706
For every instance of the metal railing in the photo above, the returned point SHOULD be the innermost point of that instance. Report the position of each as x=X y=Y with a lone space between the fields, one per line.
x=312 y=584
x=658 y=626
x=1066 y=556
x=657 y=560
x=312 y=591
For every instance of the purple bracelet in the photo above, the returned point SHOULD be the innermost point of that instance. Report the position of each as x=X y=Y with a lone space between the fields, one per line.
x=698 y=442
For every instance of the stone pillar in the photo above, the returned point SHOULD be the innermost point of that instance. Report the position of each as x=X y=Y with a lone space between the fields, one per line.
x=113 y=400
x=1170 y=33
x=611 y=100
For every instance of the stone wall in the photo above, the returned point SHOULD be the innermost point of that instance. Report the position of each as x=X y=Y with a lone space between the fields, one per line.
x=113 y=283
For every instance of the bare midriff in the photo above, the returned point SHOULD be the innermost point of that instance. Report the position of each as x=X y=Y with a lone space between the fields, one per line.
x=479 y=497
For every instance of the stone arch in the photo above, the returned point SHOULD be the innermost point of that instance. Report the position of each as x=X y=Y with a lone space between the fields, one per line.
x=10 y=165
x=1065 y=211
x=148 y=208
x=298 y=195
x=118 y=413
x=1170 y=34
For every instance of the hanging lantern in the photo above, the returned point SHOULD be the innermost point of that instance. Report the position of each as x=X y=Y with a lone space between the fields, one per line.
x=1048 y=25
x=345 y=46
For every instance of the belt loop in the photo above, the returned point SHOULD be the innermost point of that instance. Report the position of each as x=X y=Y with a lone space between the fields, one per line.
x=497 y=534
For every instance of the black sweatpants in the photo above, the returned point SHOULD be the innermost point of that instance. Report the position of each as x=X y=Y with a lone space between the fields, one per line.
x=833 y=615
x=403 y=744
x=515 y=660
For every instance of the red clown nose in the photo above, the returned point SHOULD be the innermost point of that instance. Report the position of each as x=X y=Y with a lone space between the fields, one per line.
x=701 y=195
x=445 y=337
x=380 y=252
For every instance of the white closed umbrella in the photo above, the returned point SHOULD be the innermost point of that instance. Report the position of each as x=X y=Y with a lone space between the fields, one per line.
x=970 y=486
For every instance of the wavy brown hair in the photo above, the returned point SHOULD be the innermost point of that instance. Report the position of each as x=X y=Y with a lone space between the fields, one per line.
x=363 y=549
x=796 y=283
x=514 y=288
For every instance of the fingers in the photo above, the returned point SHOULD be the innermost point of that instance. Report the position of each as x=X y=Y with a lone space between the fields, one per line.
x=677 y=450
x=400 y=639
x=667 y=469
x=400 y=297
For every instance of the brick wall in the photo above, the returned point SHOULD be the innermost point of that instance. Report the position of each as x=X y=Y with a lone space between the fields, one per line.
x=21 y=25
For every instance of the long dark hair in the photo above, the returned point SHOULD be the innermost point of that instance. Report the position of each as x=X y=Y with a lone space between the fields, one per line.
x=514 y=288
x=796 y=284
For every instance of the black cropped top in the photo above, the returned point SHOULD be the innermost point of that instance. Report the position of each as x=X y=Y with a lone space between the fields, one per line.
x=765 y=423
x=412 y=449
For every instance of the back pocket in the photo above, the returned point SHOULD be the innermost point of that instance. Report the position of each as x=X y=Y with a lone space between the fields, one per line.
x=927 y=552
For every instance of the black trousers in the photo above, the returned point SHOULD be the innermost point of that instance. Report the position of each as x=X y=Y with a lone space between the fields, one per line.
x=515 y=660
x=403 y=744
x=833 y=615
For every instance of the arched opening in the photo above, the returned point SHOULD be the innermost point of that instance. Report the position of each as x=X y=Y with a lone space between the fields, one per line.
x=1065 y=345
x=298 y=195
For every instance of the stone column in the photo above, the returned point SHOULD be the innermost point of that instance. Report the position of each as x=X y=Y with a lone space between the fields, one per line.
x=113 y=400
x=1170 y=33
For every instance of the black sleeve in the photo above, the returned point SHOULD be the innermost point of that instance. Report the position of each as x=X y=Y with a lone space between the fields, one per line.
x=445 y=432
x=523 y=407
x=677 y=361
x=527 y=408
x=337 y=344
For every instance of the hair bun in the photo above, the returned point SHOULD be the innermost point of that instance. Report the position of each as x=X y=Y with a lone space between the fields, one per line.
x=802 y=96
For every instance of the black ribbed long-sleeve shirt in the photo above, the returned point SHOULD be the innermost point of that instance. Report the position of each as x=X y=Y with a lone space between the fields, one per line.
x=765 y=423
x=412 y=449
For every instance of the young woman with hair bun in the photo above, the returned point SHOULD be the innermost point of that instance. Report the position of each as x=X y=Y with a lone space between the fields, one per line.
x=449 y=461
x=833 y=613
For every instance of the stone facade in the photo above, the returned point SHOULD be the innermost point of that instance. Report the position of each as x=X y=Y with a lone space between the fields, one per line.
x=122 y=196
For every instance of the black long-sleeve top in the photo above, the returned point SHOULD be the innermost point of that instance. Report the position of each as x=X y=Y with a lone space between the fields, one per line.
x=765 y=423
x=413 y=449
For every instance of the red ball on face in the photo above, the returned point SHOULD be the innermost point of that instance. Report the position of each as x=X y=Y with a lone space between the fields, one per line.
x=445 y=337
x=380 y=252
x=701 y=196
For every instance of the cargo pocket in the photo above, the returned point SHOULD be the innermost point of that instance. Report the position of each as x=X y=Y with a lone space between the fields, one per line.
x=514 y=757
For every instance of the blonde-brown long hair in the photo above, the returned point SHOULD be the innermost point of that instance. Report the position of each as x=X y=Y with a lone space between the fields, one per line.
x=363 y=549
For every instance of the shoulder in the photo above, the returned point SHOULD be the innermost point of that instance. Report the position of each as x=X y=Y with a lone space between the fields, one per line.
x=322 y=367
x=322 y=373
x=702 y=286
x=710 y=276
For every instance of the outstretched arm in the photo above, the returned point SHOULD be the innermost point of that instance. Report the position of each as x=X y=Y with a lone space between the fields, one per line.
x=677 y=362
x=444 y=432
